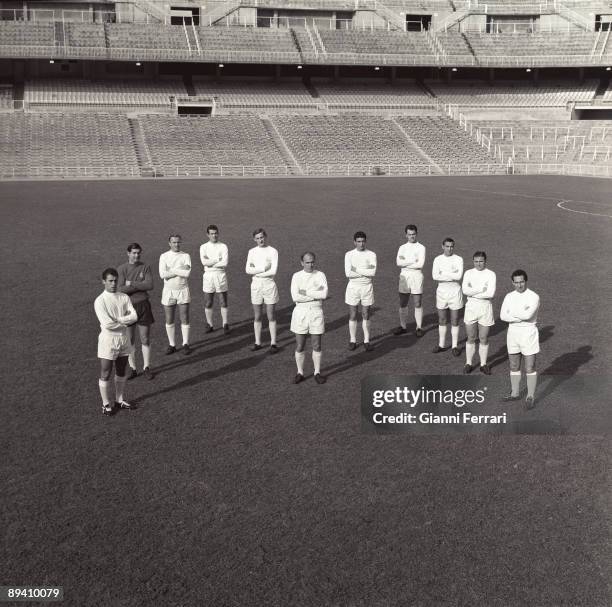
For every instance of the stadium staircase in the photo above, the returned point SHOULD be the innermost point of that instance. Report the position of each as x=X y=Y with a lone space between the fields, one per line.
x=288 y=157
x=426 y=157
x=575 y=17
x=60 y=34
x=391 y=17
x=140 y=145
x=450 y=20
x=188 y=83
x=600 y=44
x=151 y=9
x=218 y=12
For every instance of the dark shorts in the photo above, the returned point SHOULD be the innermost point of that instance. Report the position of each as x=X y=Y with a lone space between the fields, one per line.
x=145 y=315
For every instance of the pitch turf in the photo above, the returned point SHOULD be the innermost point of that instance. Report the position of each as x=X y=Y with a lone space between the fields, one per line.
x=229 y=485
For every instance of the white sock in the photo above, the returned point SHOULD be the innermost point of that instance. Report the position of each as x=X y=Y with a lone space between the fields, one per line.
x=208 y=312
x=402 y=317
x=132 y=360
x=224 y=315
x=103 y=384
x=257 y=331
x=483 y=352
x=185 y=332
x=470 y=350
x=441 y=335
x=455 y=335
x=515 y=382
x=365 y=325
x=316 y=361
x=146 y=356
x=272 y=327
x=532 y=380
x=119 y=387
x=353 y=330
x=170 y=333
x=299 y=361
x=418 y=317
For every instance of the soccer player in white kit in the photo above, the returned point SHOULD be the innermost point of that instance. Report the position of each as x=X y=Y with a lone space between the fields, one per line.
x=411 y=259
x=308 y=291
x=520 y=309
x=479 y=287
x=175 y=268
x=214 y=258
x=447 y=271
x=115 y=312
x=360 y=269
x=262 y=265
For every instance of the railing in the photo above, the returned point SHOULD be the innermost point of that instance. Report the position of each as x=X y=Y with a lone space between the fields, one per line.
x=583 y=170
x=313 y=170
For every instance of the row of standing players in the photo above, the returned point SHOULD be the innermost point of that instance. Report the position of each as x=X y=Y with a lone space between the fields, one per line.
x=124 y=307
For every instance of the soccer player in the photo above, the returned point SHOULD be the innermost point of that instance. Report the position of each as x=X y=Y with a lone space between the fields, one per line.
x=411 y=259
x=308 y=291
x=174 y=269
x=115 y=312
x=262 y=264
x=135 y=280
x=360 y=269
x=479 y=287
x=214 y=256
x=520 y=309
x=447 y=271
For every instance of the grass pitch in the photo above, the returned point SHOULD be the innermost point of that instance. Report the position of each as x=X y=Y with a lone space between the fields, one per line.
x=231 y=486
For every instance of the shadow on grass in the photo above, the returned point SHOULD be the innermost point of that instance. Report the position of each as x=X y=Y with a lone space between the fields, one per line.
x=562 y=368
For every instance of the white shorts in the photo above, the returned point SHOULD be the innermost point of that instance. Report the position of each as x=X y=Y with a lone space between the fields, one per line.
x=214 y=282
x=411 y=282
x=264 y=292
x=307 y=319
x=112 y=346
x=449 y=298
x=478 y=311
x=172 y=297
x=359 y=293
x=523 y=340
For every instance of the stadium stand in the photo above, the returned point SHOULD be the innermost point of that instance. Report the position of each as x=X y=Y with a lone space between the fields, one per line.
x=441 y=139
x=344 y=140
x=557 y=142
x=513 y=94
x=63 y=92
x=535 y=45
x=247 y=40
x=222 y=140
x=255 y=94
x=23 y=33
x=149 y=36
x=361 y=94
x=33 y=140
x=377 y=42
x=84 y=35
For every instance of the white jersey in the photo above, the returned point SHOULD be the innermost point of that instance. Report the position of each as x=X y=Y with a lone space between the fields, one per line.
x=520 y=309
x=257 y=261
x=361 y=261
x=447 y=271
x=479 y=284
x=215 y=252
x=411 y=257
x=314 y=284
x=115 y=312
x=177 y=266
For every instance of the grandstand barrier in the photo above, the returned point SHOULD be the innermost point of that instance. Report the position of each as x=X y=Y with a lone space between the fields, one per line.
x=113 y=172
x=291 y=57
x=318 y=170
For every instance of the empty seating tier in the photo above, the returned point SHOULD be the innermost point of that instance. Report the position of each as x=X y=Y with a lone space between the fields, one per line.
x=222 y=140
